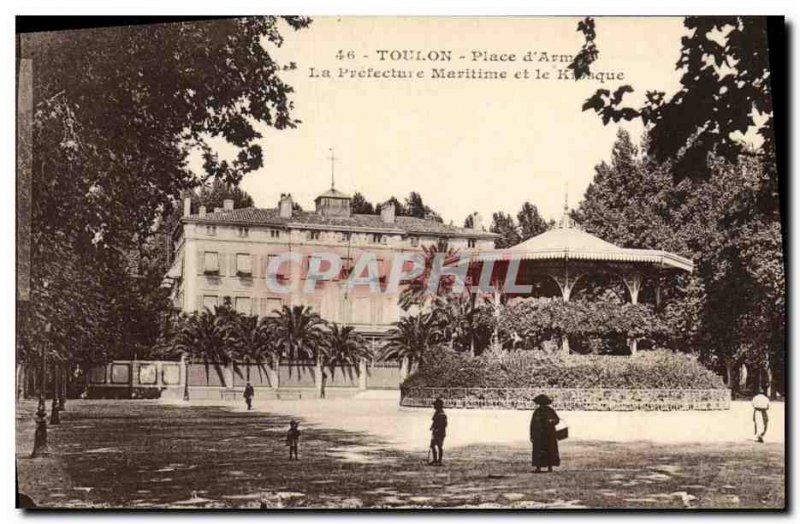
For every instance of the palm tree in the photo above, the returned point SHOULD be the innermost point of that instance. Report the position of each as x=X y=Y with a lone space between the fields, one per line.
x=342 y=346
x=298 y=332
x=412 y=337
x=416 y=292
x=202 y=335
x=252 y=341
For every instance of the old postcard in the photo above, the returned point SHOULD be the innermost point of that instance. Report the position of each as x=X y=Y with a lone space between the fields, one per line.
x=401 y=263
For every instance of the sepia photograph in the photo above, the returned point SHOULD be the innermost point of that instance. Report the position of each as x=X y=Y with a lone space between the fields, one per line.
x=500 y=263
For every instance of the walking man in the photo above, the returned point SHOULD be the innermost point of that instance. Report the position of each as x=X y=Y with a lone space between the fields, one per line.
x=249 y=393
x=760 y=408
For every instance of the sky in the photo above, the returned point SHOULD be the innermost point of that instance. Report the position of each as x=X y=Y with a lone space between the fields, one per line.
x=466 y=145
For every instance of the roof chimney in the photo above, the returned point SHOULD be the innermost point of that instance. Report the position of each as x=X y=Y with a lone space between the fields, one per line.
x=227 y=204
x=187 y=206
x=387 y=213
x=202 y=211
x=285 y=205
x=477 y=222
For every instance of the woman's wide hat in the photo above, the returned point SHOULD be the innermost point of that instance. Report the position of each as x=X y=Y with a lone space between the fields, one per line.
x=438 y=403
x=543 y=400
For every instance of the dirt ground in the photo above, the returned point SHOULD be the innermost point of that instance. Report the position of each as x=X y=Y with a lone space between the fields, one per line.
x=145 y=454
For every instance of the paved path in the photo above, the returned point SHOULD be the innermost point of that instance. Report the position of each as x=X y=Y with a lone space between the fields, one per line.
x=407 y=428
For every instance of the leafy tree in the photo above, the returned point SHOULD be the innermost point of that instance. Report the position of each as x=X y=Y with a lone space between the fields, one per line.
x=111 y=154
x=531 y=222
x=464 y=321
x=360 y=206
x=536 y=321
x=298 y=332
x=731 y=309
x=725 y=91
x=415 y=207
x=214 y=196
x=627 y=201
x=503 y=224
x=469 y=222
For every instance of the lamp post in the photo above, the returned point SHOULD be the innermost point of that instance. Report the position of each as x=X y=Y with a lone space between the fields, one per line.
x=62 y=392
x=40 y=437
x=55 y=418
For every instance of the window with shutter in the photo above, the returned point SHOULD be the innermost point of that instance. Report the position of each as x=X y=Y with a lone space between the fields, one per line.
x=244 y=265
x=243 y=305
x=361 y=311
x=210 y=302
x=273 y=306
x=211 y=262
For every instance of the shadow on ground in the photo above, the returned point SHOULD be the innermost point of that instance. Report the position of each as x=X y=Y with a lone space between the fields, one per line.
x=143 y=455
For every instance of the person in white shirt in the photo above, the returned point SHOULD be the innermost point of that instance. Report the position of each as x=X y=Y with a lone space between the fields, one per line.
x=760 y=408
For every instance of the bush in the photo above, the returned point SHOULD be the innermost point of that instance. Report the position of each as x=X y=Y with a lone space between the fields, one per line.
x=604 y=325
x=536 y=369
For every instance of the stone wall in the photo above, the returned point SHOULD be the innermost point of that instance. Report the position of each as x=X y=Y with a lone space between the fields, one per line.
x=570 y=399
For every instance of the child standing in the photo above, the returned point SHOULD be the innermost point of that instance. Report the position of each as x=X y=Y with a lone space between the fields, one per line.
x=438 y=427
x=292 y=437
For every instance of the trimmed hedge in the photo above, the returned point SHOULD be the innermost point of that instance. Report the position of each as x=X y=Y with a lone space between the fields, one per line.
x=535 y=369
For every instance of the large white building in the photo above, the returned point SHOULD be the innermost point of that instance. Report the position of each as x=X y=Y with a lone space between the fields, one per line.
x=223 y=254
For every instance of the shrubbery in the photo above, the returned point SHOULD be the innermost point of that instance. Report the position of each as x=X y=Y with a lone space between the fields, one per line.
x=534 y=369
x=538 y=320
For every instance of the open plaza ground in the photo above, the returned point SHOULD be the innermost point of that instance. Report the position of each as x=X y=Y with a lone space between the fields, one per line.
x=369 y=452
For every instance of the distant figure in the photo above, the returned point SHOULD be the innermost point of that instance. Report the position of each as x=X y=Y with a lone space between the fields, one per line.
x=543 y=435
x=249 y=393
x=323 y=383
x=438 y=431
x=760 y=407
x=292 y=437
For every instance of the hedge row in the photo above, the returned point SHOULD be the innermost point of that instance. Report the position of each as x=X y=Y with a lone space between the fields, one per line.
x=535 y=369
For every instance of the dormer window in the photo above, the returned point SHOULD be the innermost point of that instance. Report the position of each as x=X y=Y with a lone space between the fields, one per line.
x=313 y=235
x=470 y=242
x=244 y=232
x=274 y=233
x=377 y=238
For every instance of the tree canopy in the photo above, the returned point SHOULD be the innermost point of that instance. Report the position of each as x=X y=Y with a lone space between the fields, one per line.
x=731 y=309
x=725 y=92
x=111 y=154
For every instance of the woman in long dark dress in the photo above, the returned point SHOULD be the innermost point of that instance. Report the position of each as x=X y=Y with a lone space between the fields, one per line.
x=543 y=435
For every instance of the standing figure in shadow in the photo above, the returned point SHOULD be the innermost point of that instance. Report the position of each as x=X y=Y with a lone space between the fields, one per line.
x=438 y=432
x=543 y=435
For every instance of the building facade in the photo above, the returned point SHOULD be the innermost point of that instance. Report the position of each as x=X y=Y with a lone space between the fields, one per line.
x=221 y=256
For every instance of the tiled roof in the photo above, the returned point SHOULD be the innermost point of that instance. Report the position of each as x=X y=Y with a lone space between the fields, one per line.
x=270 y=217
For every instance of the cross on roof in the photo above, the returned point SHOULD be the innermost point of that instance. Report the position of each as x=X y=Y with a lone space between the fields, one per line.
x=332 y=158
